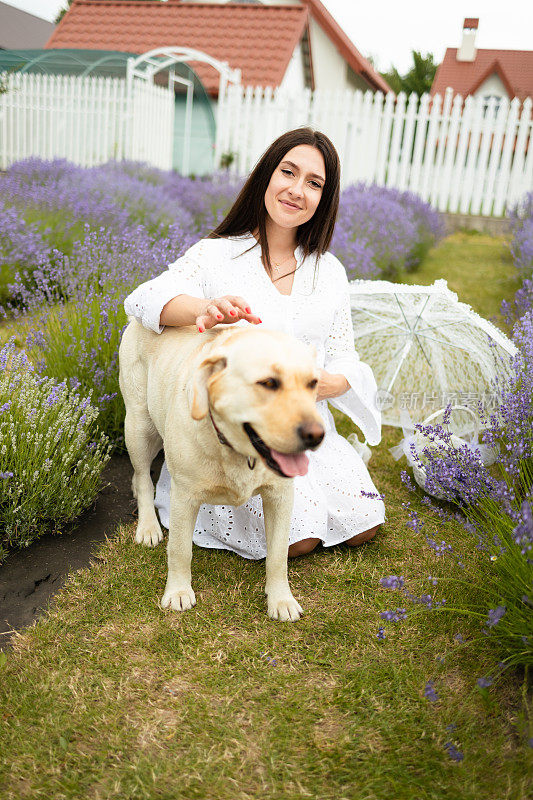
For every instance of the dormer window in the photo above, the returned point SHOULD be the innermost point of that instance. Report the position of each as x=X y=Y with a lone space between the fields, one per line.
x=487 y=100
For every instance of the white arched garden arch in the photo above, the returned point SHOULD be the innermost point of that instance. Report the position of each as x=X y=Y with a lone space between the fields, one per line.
x=147 y=65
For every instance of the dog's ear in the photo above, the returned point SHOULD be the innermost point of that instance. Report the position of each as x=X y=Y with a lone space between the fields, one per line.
x=209 y=367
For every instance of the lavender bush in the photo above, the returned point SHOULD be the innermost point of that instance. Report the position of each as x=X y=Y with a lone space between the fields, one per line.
x=382 y=231
x=65 y=199
x=521 y=218
x=48 y=442
x=22 y=246
x=79 y=335
x=495 y=504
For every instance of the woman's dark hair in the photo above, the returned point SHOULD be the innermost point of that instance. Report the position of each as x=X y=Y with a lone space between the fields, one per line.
x=249 y=213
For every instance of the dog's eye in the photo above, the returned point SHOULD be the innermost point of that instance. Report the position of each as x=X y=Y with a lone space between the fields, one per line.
x=312 y=384
x=270 y=383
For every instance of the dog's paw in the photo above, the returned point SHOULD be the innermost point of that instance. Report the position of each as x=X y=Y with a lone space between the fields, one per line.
x=178 y=599
x=285 y=609
x=149 y=535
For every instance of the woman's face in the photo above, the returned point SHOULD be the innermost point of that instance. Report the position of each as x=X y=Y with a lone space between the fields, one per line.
x=296 y=185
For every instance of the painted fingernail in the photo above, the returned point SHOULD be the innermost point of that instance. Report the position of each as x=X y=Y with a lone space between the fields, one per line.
x=248 y=310
x=220 y=316
x=200 y=329
x=233 y=313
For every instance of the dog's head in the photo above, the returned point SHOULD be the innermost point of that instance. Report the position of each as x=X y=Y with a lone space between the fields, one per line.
x=261 y=388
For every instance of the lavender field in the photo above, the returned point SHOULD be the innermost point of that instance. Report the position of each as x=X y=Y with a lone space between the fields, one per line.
x=73 y=243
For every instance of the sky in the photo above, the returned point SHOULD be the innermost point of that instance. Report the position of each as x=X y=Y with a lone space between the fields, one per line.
x=388 y=30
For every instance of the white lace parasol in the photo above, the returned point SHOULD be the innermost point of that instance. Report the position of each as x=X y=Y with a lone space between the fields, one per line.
x=426 y=348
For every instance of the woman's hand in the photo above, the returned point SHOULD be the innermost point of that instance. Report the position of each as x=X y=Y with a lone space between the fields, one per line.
x=331 y=385
x=224 y=310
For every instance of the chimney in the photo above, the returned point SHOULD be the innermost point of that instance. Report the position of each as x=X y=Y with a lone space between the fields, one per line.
x=467 y=51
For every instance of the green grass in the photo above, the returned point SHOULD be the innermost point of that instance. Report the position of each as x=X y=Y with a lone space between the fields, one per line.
x=478 y=267
x=110 y=697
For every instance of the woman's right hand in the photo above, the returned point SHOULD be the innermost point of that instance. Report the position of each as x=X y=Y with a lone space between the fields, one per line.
x=223 y=311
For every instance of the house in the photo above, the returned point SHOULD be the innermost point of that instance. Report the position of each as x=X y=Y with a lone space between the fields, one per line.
x=491 y=74
x=291 y=44
x=21 y=30
x=288 y=44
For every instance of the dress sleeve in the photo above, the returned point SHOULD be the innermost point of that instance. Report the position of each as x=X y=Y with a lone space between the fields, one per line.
x=359 y=402
x=184 y=276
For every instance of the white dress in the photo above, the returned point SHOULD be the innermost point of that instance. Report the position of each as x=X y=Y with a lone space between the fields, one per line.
x=331 y=502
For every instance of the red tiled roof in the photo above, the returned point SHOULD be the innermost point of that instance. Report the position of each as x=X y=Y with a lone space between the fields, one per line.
x=259 y=40
x=515 y=68
x=256 y=38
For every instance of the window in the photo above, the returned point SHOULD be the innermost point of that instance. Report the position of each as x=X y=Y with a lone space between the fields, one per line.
x=486 y=101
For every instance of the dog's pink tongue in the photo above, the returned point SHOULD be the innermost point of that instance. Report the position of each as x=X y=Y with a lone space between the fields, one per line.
x=291 y=465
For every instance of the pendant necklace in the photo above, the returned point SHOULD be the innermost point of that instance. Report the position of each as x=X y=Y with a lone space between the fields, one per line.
x=277 y=267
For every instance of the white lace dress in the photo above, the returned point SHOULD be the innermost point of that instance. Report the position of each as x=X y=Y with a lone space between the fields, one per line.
x=332 y=501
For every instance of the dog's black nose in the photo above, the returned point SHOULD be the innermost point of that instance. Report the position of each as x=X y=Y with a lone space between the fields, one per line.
x=311 y=434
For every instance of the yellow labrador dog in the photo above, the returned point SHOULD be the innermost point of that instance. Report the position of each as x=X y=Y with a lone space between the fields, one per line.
x=235 y=410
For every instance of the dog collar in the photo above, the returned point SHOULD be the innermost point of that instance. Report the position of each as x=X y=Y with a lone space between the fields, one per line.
x=222 y=439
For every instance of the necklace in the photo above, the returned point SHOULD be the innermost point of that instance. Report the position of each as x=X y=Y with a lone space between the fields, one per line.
x=278 y=266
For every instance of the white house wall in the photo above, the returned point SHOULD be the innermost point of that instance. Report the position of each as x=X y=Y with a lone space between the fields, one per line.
x=329 y=67
x=294 y=78
x=492 y=86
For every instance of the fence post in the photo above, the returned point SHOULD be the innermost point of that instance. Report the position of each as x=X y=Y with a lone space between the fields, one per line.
x=441 y=147
x=495 y=154
x=397 y=132
x=524 y=143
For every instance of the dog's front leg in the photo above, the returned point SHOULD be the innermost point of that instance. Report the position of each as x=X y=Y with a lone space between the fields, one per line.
x=178 y=593
x=277 y=511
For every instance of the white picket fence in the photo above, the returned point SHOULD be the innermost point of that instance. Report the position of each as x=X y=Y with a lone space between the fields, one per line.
x=88 y=120
x=460 y=157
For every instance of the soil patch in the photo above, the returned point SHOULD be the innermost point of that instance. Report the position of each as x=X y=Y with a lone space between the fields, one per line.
x=30 y=578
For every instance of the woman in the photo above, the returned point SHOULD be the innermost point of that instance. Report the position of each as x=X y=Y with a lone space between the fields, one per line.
x=267 y=263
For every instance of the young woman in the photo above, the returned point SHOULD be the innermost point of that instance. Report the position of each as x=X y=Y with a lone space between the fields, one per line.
x=267 y=264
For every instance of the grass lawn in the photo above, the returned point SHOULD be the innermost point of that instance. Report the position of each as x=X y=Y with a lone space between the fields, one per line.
x=478 y=267
x=109 y=697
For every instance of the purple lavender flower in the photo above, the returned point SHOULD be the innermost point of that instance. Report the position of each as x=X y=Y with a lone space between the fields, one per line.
x=484 y=683
x=495 y=615
x=381 y=633
x=430 y=693
x=394 y=616
x=439 y=549
x=426 y=600
x=523 y=533
x=453 y=752
x=392 y=582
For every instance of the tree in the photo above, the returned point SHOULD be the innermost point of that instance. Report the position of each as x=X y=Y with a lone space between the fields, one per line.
x=418 y=79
